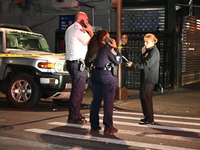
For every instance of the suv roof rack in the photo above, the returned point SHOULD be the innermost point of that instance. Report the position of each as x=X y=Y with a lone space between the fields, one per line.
x=13 y=26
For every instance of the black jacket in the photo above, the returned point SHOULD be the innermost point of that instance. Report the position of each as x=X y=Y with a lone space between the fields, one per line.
x=149 y=66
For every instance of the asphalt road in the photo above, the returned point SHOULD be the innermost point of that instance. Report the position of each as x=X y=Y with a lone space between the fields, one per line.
x=44 y=127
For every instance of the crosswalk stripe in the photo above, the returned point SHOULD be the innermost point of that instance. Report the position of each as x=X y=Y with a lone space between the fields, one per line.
x=157 y=120
x=155 y=126
x=163 y=136
x=158 y=127
x=164 y=116
x=106 y=140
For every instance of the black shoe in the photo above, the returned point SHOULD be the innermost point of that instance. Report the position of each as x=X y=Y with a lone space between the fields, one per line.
x=143 y=120
x=146 y=122
x=76 y=120
x=96 y=129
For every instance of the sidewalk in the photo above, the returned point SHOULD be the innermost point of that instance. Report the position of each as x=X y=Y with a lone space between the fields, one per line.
x=180 y=102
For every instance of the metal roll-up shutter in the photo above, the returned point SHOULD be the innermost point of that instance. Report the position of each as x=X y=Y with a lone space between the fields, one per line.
x=191 y=50
x=143 y=19
x=136 y=22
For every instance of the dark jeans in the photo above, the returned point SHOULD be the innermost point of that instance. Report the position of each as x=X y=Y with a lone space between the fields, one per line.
x=146 y=93
x=78 y=79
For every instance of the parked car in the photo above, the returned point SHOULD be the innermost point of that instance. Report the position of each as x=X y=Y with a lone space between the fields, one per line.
x=28 y=70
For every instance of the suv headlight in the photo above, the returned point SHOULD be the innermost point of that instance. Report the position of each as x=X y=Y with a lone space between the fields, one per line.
x=58 y=67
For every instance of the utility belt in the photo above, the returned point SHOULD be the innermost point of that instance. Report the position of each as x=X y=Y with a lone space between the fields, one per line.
x=98 y=68
x=109 y=67
x=73 y=61
x=81 y=63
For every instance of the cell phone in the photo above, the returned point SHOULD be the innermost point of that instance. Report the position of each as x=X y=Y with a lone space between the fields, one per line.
x=83 y=24
x=108 y=41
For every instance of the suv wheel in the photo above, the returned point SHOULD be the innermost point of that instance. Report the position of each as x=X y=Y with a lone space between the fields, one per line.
x=22 y=91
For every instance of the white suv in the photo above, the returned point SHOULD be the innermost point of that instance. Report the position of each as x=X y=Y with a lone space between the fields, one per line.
x=28 y=70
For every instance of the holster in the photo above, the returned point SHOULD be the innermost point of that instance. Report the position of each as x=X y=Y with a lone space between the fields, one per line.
x=81 y=65
x=113 y=68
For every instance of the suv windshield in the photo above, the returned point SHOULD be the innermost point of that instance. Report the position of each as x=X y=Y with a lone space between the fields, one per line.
x=26 y=41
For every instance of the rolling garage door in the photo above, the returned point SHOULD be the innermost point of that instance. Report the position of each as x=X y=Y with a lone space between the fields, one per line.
x=191 y=50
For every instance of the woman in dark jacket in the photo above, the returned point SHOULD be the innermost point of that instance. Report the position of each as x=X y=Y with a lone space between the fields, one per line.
x=102 y=54
x=149 y=75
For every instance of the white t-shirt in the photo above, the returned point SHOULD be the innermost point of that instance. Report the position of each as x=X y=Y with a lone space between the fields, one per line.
x=76 y=40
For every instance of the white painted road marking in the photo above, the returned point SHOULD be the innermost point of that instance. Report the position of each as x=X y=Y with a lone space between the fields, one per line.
x=128 y=116
x=106 y=140
x=163 y=136
x=155 y=126
x=157 y=120
x=164 y=116
x=158 y=127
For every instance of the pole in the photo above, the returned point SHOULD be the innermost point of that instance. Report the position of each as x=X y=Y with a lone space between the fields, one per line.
x=119 y=33
x=122 y=93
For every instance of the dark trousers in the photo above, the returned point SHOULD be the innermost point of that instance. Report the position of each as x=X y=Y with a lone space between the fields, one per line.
x=78 y=79
x=103 y=88
x=146 y=93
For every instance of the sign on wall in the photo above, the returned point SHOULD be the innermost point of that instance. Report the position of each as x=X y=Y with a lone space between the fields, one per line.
x=65 y=21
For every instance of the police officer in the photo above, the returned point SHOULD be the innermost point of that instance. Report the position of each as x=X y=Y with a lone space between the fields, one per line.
x=124 y=41
x=77 y=37
x=102 y=57
x=149 y=75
